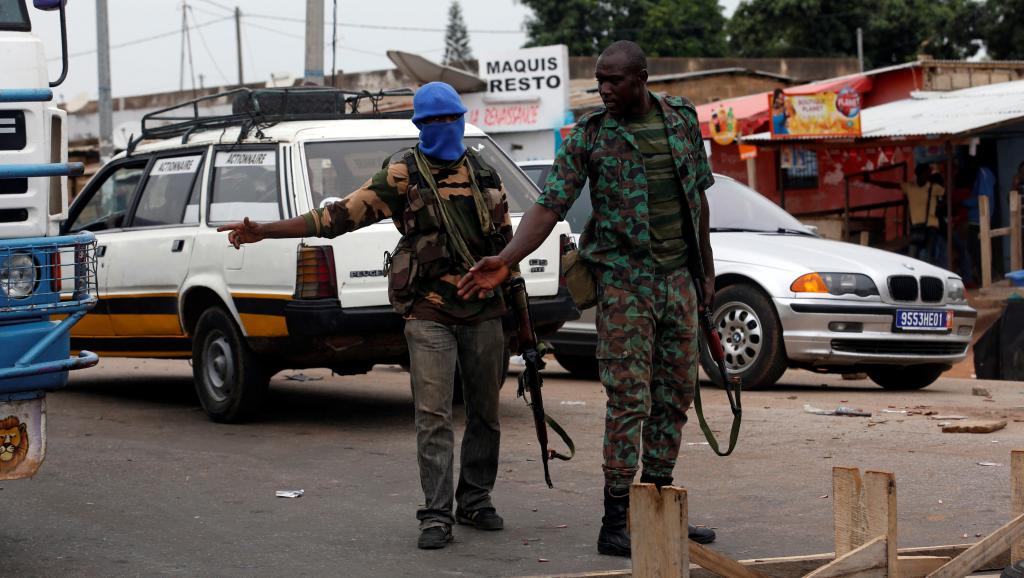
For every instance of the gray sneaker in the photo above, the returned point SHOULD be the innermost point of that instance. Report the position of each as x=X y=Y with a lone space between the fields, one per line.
x=435 y=537
x=482 y=519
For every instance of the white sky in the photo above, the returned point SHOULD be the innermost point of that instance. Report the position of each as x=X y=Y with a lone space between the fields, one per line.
x=272 y=38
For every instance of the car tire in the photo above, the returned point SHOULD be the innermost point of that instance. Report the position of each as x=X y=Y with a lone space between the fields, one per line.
x=578 y=366
x=751 y=335
x=906 y=378
x=230 y=381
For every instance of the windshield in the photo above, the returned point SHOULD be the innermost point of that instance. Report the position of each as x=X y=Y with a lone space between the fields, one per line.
x=336 y=168
x=13 y=15
x=734 y=206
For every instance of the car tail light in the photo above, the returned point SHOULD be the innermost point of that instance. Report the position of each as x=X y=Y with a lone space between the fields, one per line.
x=314 y=273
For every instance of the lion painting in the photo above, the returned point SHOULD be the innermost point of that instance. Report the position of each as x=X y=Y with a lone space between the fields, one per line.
x=13 y=443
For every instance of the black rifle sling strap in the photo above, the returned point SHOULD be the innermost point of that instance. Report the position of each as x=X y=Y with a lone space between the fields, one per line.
x=695 y=262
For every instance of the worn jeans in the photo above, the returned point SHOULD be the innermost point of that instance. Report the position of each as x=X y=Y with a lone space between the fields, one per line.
x=434 y=351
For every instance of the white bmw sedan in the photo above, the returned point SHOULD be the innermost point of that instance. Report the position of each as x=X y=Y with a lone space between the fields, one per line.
x=787 y=298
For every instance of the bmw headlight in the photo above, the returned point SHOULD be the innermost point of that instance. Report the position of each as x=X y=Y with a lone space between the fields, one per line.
x=835 y=283
x=955 y=289
x=17 y=275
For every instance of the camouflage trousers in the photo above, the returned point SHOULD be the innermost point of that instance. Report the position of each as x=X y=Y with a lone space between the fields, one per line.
x=647 y=356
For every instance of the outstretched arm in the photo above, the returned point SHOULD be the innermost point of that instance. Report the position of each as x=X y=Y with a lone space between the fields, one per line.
x=491 y=272
x=249 y=231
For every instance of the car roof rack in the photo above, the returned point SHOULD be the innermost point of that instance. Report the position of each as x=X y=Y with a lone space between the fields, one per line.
x=257 y=109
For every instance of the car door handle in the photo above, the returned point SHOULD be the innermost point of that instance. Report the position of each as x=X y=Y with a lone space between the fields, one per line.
x=177 y=245
x=101 y=250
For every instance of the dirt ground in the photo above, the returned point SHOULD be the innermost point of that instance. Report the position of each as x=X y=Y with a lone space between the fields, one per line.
x=138 y=482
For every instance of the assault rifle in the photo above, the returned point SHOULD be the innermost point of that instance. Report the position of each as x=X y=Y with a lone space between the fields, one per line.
x=530 y=381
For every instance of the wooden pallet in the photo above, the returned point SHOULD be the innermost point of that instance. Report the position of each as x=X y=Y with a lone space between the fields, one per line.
x=864 y=518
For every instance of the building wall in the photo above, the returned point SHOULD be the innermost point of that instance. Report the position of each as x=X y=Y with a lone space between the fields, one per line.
x=527 y=146
x=711 y=88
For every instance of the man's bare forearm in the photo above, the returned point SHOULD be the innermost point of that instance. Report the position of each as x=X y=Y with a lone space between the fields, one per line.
x=535 y=226
x=285 y=229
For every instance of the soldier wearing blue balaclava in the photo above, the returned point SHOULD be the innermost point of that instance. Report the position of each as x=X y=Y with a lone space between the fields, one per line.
x=450 y=207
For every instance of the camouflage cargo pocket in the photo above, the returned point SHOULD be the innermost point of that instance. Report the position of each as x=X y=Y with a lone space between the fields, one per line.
x=617 y=324
x=401 y=276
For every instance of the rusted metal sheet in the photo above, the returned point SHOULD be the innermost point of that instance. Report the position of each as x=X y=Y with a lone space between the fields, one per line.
x=22 y=437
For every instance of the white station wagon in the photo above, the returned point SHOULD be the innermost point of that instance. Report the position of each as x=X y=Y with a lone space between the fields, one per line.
x=171 y=286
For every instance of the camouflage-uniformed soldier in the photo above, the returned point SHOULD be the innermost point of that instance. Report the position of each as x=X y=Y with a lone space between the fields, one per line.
x=451 y=209
x=645 y=160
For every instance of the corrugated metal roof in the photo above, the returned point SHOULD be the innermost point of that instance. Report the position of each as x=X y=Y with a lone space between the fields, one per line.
x=936 y=114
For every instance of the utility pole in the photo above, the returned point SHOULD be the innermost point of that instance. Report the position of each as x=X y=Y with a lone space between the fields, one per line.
x=860 y=48
x=106 y=108
x=238 y=43
x=314 y=41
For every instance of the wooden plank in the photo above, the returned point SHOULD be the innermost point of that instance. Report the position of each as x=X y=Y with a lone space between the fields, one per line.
x=999 y=232
x=920 y=566
x=867 y=561
x=1017 y=498
x=798 y=566
x=982 y=550
x=645 y=521
x=880 y=511
x=675 y=561
x=847 y=509
x=986 y=242
x=719 y=564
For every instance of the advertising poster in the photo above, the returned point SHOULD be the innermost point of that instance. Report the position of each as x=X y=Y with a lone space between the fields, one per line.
x=821 y=114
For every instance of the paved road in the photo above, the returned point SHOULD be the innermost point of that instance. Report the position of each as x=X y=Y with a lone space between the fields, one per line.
x=138 y=482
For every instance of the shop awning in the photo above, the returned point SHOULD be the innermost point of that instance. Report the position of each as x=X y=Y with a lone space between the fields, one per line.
x=934 y=115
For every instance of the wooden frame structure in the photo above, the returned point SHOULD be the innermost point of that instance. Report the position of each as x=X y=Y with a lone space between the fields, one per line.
x=864 y=517
x=986 y=234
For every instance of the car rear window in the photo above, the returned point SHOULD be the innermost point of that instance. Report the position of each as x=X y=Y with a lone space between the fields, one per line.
x=244 y=184
x=336 y=168
x=167 y=196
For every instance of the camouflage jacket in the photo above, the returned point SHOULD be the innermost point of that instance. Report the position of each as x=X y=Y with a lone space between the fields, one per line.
x=425 y=269
x=617 y=242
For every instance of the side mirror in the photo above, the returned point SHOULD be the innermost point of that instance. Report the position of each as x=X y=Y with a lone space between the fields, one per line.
x=811 y=228
x=48 y=4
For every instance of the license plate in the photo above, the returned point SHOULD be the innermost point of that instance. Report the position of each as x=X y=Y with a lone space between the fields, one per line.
x=924 y=320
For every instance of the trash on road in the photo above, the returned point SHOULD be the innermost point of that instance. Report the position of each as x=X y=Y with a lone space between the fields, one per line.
x=975 y=426
x=289 y=493
x=903 y=411
x=697 y=443
x=841 y=410
x=573 y=402
x=980 y=392
x=989 y=464
x=947 y=417
x=303 y=377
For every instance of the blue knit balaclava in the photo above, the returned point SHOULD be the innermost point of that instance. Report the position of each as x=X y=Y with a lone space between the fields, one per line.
x=439 y=140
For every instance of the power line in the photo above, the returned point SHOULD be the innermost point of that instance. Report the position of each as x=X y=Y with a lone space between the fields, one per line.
x=381 y=26
x=202 y=40
x=218 y=5
x=144 y=40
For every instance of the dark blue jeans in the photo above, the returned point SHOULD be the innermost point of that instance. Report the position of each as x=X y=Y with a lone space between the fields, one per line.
x=434 y=351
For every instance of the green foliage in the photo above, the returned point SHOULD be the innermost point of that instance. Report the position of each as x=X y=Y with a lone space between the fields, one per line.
x=894 y=30
x=661 y=27
x=456 y=39
x=1003 y=24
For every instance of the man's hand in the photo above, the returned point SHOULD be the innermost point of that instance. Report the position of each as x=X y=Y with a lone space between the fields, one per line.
x=488 y=273
x=709 y=296
x=245 y=232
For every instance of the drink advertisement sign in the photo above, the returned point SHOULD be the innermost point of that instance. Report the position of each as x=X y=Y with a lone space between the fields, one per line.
x=821 y=114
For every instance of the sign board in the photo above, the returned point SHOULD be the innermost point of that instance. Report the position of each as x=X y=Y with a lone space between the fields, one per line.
x=821 y=114
x=747 y=152
x=527 y=90
x=22 y=437
x=723 y=126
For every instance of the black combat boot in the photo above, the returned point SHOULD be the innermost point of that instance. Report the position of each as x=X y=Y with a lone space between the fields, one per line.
x=614 y=538
x=698 y=535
